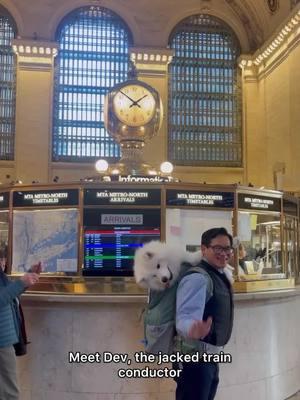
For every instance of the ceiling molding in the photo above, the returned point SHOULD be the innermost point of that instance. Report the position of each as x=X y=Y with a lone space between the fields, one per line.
x=274 y=52
x=251 y=24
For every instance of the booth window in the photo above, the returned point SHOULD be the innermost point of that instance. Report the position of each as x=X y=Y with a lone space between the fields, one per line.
x=260 y=250
x=93 y=56
x=7 y=85
x=205 y=110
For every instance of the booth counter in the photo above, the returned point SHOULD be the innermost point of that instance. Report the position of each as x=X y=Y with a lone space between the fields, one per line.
x=264 y=350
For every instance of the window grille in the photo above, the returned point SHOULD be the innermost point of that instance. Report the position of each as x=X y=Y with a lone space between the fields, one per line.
x=93 y=56
x=7 y=86
x=204 y=123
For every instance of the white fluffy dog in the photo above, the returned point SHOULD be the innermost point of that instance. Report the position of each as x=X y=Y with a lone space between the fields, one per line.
x=157 y=265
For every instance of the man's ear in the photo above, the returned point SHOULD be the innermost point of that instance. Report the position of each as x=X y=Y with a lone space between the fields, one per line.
x=203 y=248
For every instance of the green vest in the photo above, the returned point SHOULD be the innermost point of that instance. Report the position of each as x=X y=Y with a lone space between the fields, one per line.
x=160 y=315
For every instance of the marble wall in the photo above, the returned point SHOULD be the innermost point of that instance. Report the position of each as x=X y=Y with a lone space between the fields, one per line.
x=264 y=349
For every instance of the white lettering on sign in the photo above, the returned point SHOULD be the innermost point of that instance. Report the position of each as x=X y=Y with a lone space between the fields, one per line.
x=45 y=198
x=259 y=203
x=199 y=198
x=122 y=219
x=141 y=179
x=122 y=197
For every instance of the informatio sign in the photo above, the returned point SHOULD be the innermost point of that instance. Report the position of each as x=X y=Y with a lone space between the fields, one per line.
x=147 y=197
x=4 y=200
x=202 y=199
x=262 y=203
x=141 y=179
x=44 y=198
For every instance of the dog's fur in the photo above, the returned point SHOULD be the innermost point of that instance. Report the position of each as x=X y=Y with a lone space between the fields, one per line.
x=157 y=265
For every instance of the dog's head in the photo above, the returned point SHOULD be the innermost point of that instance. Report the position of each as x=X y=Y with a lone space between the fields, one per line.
x=156 y=266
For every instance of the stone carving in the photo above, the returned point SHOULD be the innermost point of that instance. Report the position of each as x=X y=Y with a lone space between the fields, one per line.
x=294 y=3
x=273 y=5
x=250 y=22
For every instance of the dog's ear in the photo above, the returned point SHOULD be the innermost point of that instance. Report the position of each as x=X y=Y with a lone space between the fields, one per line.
x=149 y=255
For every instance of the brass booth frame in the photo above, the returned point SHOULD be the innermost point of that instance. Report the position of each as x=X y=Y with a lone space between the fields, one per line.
x=245 y=203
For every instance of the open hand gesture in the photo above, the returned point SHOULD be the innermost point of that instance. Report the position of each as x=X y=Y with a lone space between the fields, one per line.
x=30 y=279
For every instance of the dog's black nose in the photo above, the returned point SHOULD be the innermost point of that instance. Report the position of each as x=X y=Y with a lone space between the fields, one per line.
x=164 y=279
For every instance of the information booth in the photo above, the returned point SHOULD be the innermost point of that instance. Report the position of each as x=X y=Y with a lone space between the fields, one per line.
x=86 y=301
x=86 y=234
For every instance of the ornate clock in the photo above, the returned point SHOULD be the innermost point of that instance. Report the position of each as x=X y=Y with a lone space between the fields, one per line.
x=132 y=111
x=134 y=105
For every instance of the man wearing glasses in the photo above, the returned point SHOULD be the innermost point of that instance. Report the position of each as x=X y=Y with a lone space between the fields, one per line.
x=204 y=316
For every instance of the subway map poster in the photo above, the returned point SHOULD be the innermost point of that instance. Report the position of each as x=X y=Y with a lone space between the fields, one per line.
x=49 y=236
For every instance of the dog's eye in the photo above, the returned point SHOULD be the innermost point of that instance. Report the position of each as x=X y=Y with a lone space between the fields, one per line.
x=158 y=266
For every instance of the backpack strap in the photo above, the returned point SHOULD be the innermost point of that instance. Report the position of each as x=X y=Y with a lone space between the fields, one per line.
x=190 y=269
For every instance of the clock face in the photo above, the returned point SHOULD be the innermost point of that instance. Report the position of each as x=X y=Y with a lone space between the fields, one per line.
x=134 y=105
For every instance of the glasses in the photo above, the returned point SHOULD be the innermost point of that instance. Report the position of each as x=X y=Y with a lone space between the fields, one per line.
x=219 y=249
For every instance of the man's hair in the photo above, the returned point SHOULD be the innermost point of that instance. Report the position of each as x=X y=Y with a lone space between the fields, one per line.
x=209 y=235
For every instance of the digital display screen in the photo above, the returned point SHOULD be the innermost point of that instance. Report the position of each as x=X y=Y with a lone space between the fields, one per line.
x=110 y=251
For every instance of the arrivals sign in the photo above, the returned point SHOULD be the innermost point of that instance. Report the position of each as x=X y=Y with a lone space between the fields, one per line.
x=146 y=197
x=97 y=217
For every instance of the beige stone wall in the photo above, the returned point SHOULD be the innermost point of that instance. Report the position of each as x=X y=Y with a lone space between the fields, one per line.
x=270 y=108
x=272 y=118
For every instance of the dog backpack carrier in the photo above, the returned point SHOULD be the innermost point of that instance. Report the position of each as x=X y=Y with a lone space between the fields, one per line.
x=160 y=316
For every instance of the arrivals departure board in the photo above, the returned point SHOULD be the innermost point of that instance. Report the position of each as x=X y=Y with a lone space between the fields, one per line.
x=109 y=247
x=113 y=249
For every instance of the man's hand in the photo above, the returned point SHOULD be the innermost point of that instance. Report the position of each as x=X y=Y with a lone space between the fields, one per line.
x=30 y=279
x=200 y=329
x=36 y=268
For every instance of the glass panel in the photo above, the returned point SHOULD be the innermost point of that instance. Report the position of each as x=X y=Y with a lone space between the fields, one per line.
x=259 y=252
x=290 y=229
x=184 y=228
x=204 y=94
x=7 y=87
x=92 y=58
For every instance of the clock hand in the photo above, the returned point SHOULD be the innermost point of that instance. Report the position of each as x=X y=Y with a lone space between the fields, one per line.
x=124 y=94
x=136 y=103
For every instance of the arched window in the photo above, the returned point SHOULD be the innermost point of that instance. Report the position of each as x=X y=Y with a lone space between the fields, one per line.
x=204 y=126
x=93 y=56
x=8 y=32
